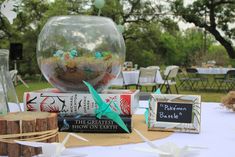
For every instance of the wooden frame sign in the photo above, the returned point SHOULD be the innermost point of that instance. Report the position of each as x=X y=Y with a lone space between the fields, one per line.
x=171 y=112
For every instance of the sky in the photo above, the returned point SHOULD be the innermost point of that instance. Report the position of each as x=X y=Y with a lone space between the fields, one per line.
x=184 y=25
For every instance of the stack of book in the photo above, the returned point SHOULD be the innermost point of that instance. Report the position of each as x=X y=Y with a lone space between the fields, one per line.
x=76 y=111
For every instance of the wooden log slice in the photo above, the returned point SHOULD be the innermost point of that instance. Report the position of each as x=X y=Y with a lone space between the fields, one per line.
x=28 y=126
x=25 y=122
x=13 y=127
x=3 y=130
x=41 y=125
x=52 y=123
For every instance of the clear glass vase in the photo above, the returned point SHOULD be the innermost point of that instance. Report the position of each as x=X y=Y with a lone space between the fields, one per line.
x=73 y=49
x=7 y=90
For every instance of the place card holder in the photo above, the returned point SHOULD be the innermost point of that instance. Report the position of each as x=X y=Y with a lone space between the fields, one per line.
x=177 y=113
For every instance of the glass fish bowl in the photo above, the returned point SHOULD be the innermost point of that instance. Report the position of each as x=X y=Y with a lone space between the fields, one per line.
x=73 y=49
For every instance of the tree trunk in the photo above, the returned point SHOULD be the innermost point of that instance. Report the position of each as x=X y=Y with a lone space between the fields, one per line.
x=226 y=44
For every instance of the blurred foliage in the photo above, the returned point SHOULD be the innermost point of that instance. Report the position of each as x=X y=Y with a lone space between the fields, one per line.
x=151 y=37
x=218 y=54
x=215 y=16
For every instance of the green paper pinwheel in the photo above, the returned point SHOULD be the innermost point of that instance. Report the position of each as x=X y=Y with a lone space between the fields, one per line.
x=104 y=108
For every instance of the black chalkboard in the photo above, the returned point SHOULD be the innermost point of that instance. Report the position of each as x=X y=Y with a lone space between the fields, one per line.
x=174 y=112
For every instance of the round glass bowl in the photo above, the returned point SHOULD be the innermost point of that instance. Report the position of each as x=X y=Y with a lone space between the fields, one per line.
x=73 y=49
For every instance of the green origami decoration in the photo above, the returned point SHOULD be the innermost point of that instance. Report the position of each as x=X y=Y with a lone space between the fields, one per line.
x=104 y=108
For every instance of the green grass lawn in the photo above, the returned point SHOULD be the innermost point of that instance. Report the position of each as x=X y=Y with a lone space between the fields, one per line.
x=20 y=89
x=207 y=96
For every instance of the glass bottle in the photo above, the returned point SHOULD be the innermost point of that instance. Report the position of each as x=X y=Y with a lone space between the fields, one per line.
x=7 y=90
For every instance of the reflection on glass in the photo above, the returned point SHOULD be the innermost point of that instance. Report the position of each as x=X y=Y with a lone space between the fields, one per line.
x=7 y=90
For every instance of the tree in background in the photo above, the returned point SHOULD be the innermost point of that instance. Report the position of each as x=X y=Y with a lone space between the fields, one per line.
x=32 y=15
x=193 y=46
x=218 y=54
x=151 y=37
x=142 y=43
x=215 y=16
x=147 y=32
x=25 y=30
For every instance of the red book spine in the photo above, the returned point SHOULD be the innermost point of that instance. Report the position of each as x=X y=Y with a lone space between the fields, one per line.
x=76 y=103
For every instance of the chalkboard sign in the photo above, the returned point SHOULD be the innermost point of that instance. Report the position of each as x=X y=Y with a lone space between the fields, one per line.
x=174 y=112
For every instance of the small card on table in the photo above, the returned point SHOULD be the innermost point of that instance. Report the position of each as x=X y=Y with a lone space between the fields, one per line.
x=172 y=112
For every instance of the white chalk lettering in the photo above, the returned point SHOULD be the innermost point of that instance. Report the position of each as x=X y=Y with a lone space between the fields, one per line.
x=168 y=116
x=173 y=108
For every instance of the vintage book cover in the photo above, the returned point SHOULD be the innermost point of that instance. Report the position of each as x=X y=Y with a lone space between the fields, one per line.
x=123 y=102
x=91 y=124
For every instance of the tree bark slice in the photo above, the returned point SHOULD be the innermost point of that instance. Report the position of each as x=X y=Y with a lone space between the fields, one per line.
x=28 y=126
x=13 y=127
x=41 y=125
x=25 y=122
x=3 y=130
x=52 y=123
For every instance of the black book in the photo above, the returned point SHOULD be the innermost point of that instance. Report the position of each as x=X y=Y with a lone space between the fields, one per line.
x=91 y=124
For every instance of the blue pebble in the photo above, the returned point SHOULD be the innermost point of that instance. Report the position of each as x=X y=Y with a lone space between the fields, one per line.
x=73 y=53
x=58 y=53
x=98 y=55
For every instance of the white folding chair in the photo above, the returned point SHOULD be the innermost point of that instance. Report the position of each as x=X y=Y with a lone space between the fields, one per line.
x=13 y=74
x=147 y=78
x=15 y=77
x=153 y=66
x=170 y=75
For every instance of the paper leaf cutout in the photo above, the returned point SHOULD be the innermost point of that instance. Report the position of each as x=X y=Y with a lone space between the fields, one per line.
x=7 y=10
x=167 y=149
x=52 y=149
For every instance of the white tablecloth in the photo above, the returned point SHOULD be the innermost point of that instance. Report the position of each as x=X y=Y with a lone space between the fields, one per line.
x=217 y=134
x=131 y=77
x=213 y=70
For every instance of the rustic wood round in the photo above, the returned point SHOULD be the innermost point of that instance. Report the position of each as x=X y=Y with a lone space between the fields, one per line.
x=18 y=123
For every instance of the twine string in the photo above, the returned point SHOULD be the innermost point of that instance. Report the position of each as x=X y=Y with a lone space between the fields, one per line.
x=33 y=136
